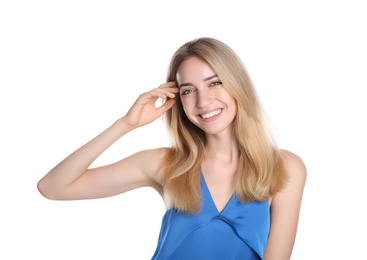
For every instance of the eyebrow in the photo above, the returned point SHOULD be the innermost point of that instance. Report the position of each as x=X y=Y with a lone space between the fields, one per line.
x=206 y=79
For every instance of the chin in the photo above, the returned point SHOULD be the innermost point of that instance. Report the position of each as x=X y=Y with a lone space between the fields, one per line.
x=213 y=130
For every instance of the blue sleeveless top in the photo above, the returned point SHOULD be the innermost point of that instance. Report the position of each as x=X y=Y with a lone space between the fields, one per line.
x=240 y=231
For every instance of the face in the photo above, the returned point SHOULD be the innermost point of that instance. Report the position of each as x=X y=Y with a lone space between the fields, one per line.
x=204 y=99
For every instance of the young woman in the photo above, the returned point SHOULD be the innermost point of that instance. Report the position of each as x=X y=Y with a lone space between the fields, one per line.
x=231 y=193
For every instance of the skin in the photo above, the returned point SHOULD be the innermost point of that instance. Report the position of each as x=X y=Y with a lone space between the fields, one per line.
x=200 y=94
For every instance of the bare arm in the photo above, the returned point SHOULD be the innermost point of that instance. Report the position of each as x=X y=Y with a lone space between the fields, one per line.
x=285 y=210
x=71 y=179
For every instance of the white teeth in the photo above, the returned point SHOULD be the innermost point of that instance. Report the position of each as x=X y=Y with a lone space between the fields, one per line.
x=211 y=114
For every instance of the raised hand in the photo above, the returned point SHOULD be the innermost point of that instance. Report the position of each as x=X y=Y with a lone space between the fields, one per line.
x=72 y=178
x=144 y=111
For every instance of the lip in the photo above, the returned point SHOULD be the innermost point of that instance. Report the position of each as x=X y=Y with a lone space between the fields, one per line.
x=213 y=118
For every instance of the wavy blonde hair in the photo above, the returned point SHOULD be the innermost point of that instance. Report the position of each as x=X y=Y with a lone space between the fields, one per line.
x=260 y=173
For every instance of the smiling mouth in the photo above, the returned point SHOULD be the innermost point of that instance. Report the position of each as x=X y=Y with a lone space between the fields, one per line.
x=211 y=114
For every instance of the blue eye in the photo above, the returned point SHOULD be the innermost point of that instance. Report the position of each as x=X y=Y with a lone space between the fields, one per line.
x=216 y=83
x=185 y=92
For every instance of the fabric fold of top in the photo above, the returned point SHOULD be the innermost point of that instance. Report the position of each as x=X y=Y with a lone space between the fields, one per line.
x=240 y=231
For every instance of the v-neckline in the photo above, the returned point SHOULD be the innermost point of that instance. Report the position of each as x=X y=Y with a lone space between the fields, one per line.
x=211 y=197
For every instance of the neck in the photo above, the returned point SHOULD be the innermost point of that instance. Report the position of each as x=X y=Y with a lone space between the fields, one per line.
x=222 y=145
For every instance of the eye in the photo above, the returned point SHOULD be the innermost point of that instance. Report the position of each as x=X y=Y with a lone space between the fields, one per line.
x=216 y=83
x=187 y=91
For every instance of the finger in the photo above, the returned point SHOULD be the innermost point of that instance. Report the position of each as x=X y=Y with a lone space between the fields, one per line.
x=171 y=92
x=166 y=106
x=170 y=84
x=174 y=90
x=163 y=93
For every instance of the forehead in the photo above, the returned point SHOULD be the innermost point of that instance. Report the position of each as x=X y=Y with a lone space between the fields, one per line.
x=193 y=69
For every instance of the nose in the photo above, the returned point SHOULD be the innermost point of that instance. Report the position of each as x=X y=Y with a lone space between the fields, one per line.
x=203 y=99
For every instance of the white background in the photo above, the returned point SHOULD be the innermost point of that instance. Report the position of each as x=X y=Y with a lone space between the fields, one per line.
x=69 y=69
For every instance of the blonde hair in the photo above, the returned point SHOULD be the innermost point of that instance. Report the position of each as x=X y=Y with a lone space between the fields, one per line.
x=260 y=173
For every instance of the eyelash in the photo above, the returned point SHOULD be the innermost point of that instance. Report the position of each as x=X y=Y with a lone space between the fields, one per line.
x=214 y=83
x=188 y=91
x=185 y=92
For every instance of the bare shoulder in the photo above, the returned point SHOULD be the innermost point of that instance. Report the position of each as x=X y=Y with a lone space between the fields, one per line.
x=154 y=154
x=151 y=160
x=295 y=167
x=285 y=208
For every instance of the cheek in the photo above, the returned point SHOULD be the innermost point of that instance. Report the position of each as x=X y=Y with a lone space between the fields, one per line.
x=187 y=105
x=234 y=107
x=184 y=107
x=226 y=97
x=232 y=104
